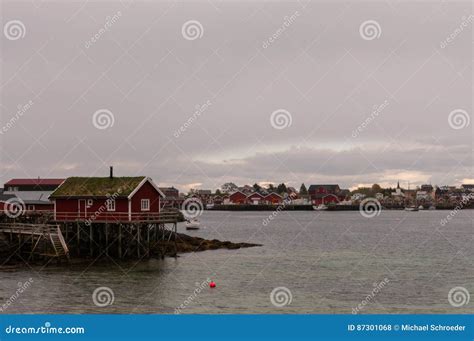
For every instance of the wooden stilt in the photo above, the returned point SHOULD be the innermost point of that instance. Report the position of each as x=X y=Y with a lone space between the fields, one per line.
x=78 y=235
x=120 y=241
x=175 y=240
x=90 y=240
x=148 y=241
x=138 y=241
x=107 y=239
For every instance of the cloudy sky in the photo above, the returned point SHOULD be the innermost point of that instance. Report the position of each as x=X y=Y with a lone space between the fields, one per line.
x=195 y=94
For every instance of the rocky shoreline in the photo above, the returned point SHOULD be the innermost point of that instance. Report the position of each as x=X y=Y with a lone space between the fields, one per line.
x=186 y=243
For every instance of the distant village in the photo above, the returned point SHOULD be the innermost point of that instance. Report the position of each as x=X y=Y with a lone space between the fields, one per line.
x=324 y=194
x=35 y=195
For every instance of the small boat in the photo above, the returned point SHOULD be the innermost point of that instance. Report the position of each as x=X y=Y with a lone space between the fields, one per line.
x=210 y=206
x=192 y=224
x=411 y=209
x=321 y=207
x=421 y=207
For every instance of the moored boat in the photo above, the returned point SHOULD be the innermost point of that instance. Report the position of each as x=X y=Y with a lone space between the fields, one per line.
x=192 y=224
x=411 y=209
x=321 y=207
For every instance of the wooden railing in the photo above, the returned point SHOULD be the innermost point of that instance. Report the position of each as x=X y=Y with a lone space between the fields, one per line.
x=37 y=229
x=113 y=217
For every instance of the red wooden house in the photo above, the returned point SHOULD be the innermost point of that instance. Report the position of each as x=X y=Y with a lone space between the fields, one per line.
x=107 y=199
x=255 y=198
x=238 y=198
x=274 y=198
x=325 y=194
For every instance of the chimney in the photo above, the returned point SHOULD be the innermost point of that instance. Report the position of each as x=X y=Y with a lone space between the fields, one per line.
x=111 y=172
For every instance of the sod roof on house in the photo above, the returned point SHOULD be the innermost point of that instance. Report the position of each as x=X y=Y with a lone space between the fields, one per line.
x=98 y=187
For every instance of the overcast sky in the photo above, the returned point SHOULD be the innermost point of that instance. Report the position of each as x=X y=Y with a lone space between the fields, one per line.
x=361 y=92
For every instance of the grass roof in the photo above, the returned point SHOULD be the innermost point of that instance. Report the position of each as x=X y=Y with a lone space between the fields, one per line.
x=88 y=186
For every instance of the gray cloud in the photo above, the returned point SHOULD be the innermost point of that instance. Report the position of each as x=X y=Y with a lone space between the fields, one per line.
x=319 y=69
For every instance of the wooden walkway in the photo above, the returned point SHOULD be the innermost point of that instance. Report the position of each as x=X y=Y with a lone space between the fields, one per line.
x=117 y=217
x=51 y=234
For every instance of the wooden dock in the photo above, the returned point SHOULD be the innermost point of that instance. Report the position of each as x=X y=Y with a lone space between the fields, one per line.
x=120 y=237
x=43 y=239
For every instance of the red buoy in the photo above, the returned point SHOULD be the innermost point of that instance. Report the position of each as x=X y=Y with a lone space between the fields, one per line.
x=212 y=285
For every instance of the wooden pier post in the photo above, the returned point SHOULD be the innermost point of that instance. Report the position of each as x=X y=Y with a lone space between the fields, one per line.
x=120 y=241
x=106 y=239
x=78 y=239
x=138 y=240
x=175 y=241
x=148 y=241
x=90 y=240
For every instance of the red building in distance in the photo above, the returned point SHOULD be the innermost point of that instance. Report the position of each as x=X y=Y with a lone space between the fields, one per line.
x=326 y=194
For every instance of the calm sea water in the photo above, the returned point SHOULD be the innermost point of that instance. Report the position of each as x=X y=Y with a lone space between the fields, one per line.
x=329 y=261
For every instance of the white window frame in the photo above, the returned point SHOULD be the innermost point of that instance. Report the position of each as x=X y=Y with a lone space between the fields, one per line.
x=110 y=204
x=145 y=205
x=89 y=202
